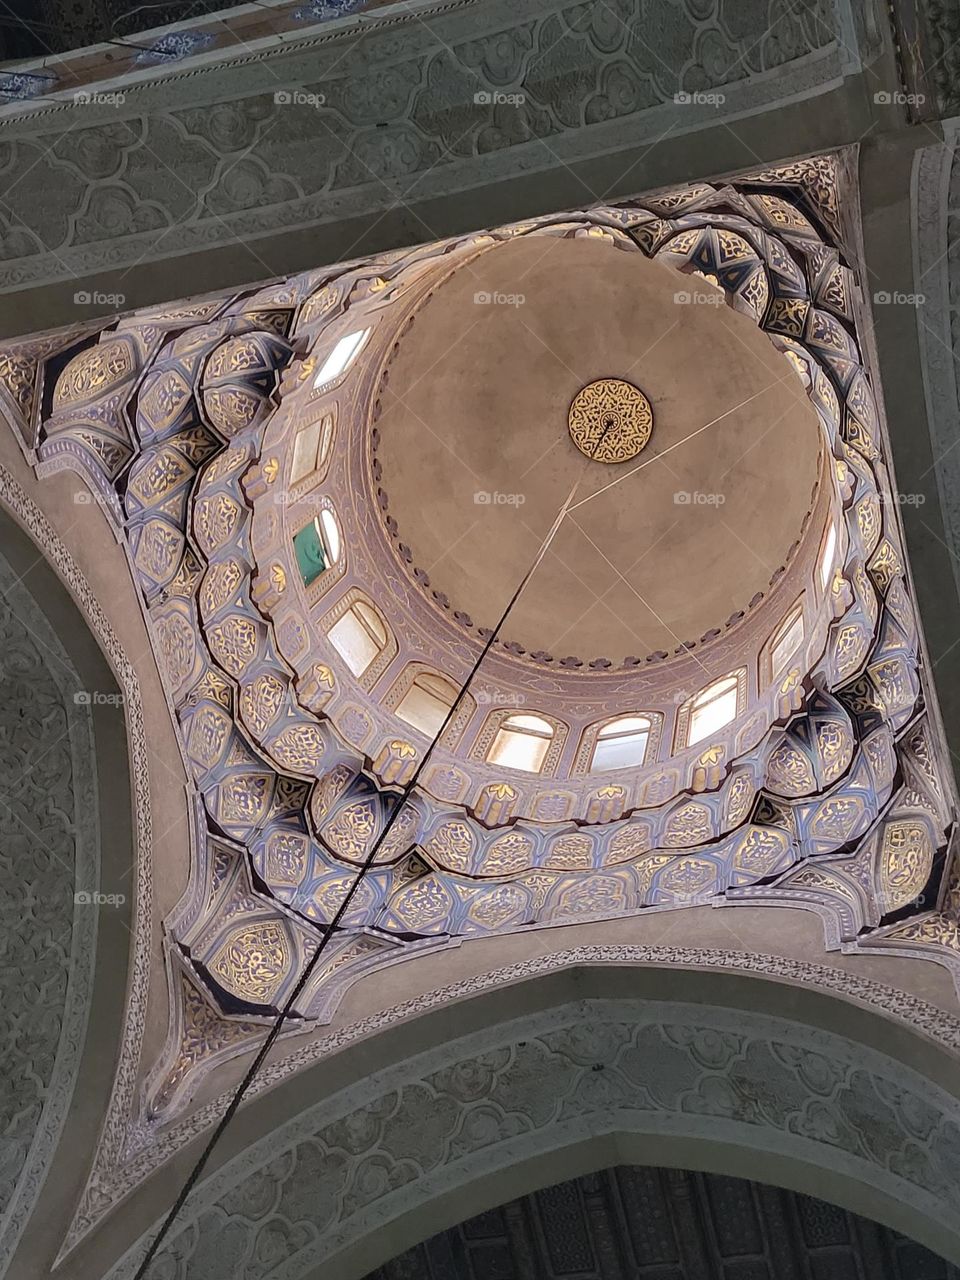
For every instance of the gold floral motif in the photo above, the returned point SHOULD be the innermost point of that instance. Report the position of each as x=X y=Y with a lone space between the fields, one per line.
x=815 y=878
x=177 y=643
x=759 y=852
x=215 y=517
x=850 y=647
x=684 y=243
x=161 y=401
x=856 y=434
x=691 y=824
x=400 y=836
x=732 y=246
x=351 y=831
x=243 y=798
x=646 y=869
x=862 y=402
x=828 y=397
x=329 y=895
x=493 y=908
x=782 y=214
x=837 y=819
x=209 y=730
x=329 y=789
x=570 y=853
x=906 y=860
x=868 y=519
x=885 y=565
x=936 y=930
x=213 y=686
x=688 y=878
x=158 y=550
x=231 y=409
x=628 y=843
x=593 y=895
x=495 y=803
x=756 y=292
x=205 y=1032
x=788 y=315
x=219 y=584
x=835 y=747
x=789 y=772
x=610 y=420
x=890 y=678
x=163 y=472
x=395 y=762
x=507 y=855
x=252 y=962
x=423 y=904
x=93 y=372
x=606 y=804
x=231 y=459
x=739 y=799
x=450 y=846
x=707 y=771
x=286 y=856
x=880 y=755
x=234 y=355
x=260 y=700
x=233 y=643
x=650 y=234
x=318 y=304
x=17 y=373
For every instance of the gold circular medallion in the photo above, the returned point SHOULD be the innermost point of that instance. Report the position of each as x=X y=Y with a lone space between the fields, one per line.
x=610 y=420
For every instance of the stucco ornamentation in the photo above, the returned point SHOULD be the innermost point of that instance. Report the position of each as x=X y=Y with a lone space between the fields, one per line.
x=376 y=1150
x=424 y=100
x=49 y=870
x=117 y=1119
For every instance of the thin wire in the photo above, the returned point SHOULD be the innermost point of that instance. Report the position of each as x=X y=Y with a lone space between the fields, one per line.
x=663 y=453
x=341 y=910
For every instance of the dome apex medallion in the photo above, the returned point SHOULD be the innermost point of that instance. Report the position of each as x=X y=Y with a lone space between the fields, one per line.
x=610 y=420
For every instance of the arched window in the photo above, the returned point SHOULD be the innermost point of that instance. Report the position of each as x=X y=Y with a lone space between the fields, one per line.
x=521 y=742
x=341 y=357
x=427 y=702
x=827 y=556
x=622 y=743
x=317 y=546
x=786 y=640
x=360 y=636
x=311 y=448
x=712 y=708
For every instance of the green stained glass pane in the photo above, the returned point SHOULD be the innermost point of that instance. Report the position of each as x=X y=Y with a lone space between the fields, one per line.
x=311 y=556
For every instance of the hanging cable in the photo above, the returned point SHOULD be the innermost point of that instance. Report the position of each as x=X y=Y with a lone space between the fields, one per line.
x=368 y=862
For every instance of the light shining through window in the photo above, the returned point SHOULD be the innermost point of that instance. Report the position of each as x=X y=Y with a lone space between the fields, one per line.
x=341 y=357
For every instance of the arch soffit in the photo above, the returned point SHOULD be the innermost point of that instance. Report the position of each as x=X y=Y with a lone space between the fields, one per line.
x=570 y=1062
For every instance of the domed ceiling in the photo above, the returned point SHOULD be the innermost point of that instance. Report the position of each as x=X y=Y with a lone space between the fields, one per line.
x=477 y=457
x=692 y=702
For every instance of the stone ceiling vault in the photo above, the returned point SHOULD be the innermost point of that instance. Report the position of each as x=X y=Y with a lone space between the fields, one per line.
x=827 y=790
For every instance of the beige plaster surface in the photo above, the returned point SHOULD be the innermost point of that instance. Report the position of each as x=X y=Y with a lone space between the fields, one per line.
x=478 y=459
x=84 y=528
x=788 y=933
